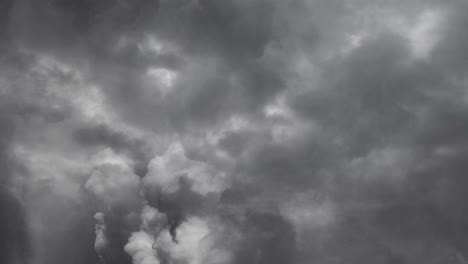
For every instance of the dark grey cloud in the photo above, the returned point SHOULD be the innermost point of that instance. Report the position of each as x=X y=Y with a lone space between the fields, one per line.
x=449 y=54
x=15 y=243
x=78 y=25
x=233 y=131
x=4 y=25
x=270 y=239
x=364 y=96
x=378 y=103
x=234 y=30
x=63 y=231
x=103 y=135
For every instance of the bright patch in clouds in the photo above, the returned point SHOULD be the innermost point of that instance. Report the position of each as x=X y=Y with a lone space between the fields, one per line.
x=424 y=35
x=163 y=79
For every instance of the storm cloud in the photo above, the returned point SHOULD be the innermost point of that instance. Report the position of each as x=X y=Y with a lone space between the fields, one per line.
x=233 y=131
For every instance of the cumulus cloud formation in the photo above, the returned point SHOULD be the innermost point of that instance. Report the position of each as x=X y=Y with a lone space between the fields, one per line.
x=167 y=171
x=233 y=131
x=140 y=246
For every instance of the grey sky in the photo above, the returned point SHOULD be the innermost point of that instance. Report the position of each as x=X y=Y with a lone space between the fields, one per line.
x=233 y=131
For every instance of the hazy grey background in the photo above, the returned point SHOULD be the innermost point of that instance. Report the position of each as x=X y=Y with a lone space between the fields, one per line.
x=233 y=131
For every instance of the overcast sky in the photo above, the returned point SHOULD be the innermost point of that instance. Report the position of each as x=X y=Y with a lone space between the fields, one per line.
x=233 y=131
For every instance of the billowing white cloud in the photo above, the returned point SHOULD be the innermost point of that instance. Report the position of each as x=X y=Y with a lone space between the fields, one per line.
x=141 y=247
x=113 y=182
x=165 y=172
x=153 y=221
x=196 y=244
x=101 y=241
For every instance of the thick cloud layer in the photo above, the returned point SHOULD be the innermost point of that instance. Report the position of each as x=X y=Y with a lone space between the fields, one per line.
x=233 y=131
